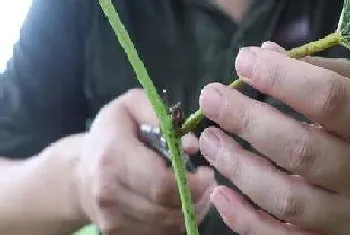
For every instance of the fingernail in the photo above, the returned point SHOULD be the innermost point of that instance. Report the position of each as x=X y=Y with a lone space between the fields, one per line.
x=210 y=101
x=220 y=200
x=272 y=46
x=245 y=62
x=267 y=45
x=210 y=144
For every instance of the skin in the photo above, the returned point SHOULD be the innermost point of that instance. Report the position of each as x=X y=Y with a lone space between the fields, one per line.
x=136 y=191
x=312 y=194
x=106 y=176
x=88 y=177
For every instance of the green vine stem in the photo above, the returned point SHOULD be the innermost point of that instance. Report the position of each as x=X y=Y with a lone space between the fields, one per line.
x=330 y=40
x=166 y=122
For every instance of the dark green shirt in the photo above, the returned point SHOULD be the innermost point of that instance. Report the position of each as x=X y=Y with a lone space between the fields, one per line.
x=68 y=64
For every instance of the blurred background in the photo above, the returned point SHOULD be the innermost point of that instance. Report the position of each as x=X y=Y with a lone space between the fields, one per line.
x=12 y=16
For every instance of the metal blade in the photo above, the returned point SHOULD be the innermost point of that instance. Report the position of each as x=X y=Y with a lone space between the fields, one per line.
x=154 y=139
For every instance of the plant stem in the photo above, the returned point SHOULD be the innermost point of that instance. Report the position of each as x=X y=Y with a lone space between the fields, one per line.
x=166 y=122
x=330 y=40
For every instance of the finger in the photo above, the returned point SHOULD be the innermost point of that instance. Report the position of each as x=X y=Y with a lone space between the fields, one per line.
x=321 y=95
x=316 y=155
x=283 y=196
x=272 y=46
x=203 y=205
x=138 y=109
x=190 y=143
x=243 y=219
x=116 y=199
x=339 y=65
x=165 y=189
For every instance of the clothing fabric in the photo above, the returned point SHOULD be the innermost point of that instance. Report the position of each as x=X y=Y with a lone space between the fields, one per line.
x=68 y=63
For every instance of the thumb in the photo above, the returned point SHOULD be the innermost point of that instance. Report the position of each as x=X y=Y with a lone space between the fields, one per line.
x=139 y=107
x=124 y=114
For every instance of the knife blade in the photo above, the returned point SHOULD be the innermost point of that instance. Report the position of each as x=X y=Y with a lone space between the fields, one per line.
x=153 y=138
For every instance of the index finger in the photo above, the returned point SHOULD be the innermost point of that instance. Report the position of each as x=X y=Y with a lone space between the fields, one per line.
x=321 y=95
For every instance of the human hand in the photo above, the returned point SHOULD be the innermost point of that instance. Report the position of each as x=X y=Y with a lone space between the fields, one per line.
x=125 y=188
x=312 y=195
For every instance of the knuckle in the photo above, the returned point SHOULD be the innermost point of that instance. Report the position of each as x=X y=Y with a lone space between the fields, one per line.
x=247 y=120
x=249 y=229
x=267 y=74
x=300 y=156
x=223 y=113
x=163 y=190
x=132 y=93
x=289 y=207
x=276 y=73
x=103 y=159
x=159 y=194
x=114 y=104
x=101 y=194
x=235 y=168
x=104 y=187
x=108 y=228
x=129 y=97
x=173 y=220
x=331 y=98
x=101 y=198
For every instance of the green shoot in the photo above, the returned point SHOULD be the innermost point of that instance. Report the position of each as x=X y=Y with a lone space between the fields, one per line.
x=162 y=112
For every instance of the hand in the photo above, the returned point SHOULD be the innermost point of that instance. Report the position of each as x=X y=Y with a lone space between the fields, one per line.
x=309 y=191
x=126 y=188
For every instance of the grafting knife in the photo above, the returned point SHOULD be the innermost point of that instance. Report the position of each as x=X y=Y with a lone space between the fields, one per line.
x=154 y=139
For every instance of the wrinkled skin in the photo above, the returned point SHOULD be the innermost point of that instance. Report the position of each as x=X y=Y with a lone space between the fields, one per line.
x=125 y=188
x=314 y=196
